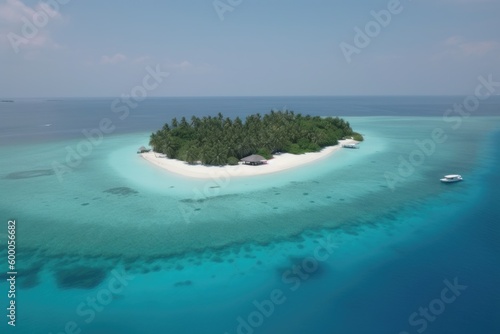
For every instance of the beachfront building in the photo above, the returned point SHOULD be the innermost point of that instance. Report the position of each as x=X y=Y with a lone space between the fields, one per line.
x=142 y=149
x=254 y=160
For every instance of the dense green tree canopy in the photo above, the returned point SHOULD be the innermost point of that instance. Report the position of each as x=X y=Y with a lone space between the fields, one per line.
x=219 y=140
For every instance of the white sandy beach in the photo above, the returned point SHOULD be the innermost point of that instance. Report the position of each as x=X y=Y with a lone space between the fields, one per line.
x=277 y=164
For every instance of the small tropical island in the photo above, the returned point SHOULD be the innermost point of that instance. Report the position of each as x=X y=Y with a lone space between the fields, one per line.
x=220 y=141
x=211 y=147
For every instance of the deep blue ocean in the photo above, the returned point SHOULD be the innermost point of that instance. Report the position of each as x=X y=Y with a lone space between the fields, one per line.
x=25 y=120
x=117 y=246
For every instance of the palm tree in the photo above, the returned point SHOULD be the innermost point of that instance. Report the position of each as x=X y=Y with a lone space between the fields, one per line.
x=214 y=139
x=174 y=123
x=155 y=141
x=192 y=153
x=170 y=146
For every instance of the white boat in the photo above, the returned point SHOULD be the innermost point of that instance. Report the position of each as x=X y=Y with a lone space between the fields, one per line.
x=350 y=146
x=451 y=178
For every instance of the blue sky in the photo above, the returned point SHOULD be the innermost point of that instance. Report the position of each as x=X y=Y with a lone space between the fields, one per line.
x=282 y=47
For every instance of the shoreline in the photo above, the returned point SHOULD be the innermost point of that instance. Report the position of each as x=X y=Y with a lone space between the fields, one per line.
x=279 y=163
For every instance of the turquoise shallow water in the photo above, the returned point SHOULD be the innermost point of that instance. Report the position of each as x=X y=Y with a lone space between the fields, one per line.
x=129 y=204
x=199 y=253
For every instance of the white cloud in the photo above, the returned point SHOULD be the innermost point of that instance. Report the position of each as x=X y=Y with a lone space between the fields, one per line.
x=25 y=27
x=142 y=59
x=453 y=40
x=114 y=59
x=183 y=65
x=187 y=67
x=457 y=45
x=479 y=48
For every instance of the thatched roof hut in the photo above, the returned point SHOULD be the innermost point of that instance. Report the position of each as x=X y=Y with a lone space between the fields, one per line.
x=142 y=149
x=254 y=159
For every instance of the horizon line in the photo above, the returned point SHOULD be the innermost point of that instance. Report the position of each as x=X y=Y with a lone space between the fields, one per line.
x=4 y=99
